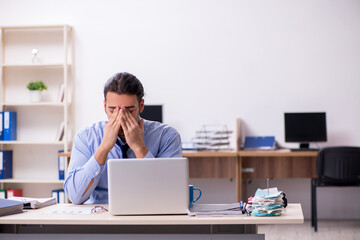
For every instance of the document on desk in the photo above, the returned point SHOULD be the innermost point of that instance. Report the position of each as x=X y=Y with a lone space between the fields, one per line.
x=215 y=209
x=72 y=210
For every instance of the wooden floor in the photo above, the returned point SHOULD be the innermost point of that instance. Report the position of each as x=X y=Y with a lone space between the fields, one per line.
x=327 y=229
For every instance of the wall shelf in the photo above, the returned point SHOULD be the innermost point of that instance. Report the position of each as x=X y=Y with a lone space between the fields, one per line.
x=39 y=124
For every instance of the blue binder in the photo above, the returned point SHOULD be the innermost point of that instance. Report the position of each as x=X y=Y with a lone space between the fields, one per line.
x=6 y=164
x=1 y=126
x=61 y=166
x=59 y=195
x=9 y=123
x=260 y=142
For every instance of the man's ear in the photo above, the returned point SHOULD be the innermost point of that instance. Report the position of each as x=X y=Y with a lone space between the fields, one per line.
x=105 y=105
x=141 y=106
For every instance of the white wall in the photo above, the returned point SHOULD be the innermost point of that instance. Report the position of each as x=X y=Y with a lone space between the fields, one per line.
x=212 y=61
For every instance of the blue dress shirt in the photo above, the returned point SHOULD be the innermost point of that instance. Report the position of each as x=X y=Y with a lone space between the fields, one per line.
x=160 y=139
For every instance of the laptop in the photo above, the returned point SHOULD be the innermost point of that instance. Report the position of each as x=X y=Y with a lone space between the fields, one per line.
x=145 y=186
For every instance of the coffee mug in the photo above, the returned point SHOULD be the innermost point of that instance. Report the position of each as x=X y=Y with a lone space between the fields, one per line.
x=191 y=194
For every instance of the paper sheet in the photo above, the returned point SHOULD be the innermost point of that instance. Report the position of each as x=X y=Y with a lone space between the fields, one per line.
x=73 y=210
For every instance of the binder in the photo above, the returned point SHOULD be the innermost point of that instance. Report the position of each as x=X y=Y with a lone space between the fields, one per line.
x=265 y=143
x=9 y=123
x=1 y=126
x=6 y=164
x=3 y=194
x=59 y=195
x=55 y=194
x=14 y=193
x=61 y=166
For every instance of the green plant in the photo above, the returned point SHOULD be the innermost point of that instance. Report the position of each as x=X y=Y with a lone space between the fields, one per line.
x=37 y=85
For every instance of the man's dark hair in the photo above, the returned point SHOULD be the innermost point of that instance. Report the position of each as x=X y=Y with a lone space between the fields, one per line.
x=124 y=83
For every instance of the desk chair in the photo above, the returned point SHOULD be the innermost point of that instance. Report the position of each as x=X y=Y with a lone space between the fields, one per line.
x=335 y=166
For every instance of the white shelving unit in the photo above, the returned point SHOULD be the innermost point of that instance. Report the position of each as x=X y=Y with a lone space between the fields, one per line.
x=35 y=152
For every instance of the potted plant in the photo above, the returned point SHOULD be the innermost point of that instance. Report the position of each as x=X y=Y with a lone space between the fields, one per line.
x=36 y=87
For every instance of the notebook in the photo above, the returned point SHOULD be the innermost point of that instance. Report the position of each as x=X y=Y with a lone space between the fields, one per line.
x=145 y=186
x=10 y=207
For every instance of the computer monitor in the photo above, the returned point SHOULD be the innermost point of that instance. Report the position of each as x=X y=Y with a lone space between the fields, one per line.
x=305 y=127
x=152 y=113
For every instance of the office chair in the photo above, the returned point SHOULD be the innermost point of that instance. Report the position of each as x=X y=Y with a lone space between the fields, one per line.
x=335 y=166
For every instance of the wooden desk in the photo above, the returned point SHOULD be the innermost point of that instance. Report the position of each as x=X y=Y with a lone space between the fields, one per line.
x=275 y=164
x=98 y=222
x=249 y=165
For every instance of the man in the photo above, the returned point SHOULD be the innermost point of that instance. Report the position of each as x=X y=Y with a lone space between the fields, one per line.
x=124 y=135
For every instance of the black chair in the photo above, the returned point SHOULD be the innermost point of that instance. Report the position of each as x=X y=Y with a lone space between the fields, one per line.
x=335 y=166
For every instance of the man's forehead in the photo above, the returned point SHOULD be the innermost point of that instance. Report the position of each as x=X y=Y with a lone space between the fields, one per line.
x=114 y=99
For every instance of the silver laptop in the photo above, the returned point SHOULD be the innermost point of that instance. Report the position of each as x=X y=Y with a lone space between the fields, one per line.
x=148 y=186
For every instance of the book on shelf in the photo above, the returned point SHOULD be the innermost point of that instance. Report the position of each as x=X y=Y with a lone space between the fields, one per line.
x=13 y=193
x=10 y=207
x=61 y=165
x=3 y=193
x=60 y=132
x=60 y=97
x=9 y=125
x=6 y=157
x=59 y=195
x=32 y=203
x=1 y=127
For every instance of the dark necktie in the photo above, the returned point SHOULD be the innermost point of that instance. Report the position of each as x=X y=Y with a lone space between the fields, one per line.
x=124 y=149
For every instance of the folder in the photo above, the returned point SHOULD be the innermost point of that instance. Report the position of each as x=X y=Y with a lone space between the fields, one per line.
x=55 y=194
x=9 y=125
x=10 y=207
x=3 y=194
x=14 y=193
x=61 y=166
x=6 y=164
x=61 y=196
x=265 y=143
x=1 y=126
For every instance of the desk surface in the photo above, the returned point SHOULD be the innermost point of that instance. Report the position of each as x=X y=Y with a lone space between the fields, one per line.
x=293 y=215
x=277 y=153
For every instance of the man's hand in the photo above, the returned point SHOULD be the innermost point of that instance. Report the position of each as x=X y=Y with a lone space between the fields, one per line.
x=111 y=132
x=134 y=133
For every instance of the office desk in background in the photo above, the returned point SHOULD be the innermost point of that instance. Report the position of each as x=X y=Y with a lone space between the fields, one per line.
x=45 y=222
x=249 y=165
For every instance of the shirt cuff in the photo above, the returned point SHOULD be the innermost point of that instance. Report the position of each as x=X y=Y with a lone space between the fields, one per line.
x=93 y=168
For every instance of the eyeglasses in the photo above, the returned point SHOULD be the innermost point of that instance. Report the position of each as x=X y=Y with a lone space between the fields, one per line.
x=98 y=209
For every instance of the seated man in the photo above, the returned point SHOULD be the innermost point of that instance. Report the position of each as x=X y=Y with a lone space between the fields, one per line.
x=124 y=135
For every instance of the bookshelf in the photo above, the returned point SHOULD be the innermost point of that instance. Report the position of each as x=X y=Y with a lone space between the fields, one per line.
x=35 y=151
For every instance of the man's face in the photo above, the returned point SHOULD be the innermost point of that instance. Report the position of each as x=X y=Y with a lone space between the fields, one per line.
x=130 y=102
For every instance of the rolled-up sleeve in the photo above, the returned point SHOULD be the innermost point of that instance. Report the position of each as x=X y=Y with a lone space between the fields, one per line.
x=83 y=168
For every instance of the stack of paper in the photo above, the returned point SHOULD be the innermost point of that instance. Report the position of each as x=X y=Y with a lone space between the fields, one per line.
x=215 y=209
x=35 y=202
x=268 y=202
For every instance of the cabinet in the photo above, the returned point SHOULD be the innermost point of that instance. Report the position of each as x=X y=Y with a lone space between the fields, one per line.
x=32 y=53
